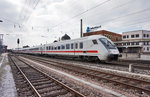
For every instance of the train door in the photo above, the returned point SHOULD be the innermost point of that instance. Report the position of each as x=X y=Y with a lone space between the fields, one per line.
x=75 y=48
x=41 y=50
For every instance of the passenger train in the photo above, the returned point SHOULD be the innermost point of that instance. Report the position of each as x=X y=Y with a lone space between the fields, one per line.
x=94 y=47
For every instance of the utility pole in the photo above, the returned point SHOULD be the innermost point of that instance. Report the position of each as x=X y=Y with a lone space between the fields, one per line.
x=81 y=29
x=18 y=43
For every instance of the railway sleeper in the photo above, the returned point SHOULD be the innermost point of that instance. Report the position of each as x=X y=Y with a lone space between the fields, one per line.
x=50 y=89
x=45 y=85
x=40 y=80
x=55 y=93
x=36 y=78
x=40 y=83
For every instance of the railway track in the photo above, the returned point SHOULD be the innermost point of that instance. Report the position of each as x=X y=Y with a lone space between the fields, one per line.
x=41 y=84
x=135 y=84
x=126 y=64
x=137 y=65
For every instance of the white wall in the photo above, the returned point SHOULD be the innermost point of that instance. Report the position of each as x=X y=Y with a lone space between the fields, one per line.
x=140 y=32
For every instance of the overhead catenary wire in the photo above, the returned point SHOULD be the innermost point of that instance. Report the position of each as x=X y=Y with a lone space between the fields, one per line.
x=92 y=8
x=105 y=13
x=83 y=12
x=34 y=7
x=121 y=5
x=129 y=14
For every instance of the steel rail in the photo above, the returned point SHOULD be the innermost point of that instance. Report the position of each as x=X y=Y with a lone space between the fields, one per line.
x=32 y=87
x=76 y=93
x=93 y=75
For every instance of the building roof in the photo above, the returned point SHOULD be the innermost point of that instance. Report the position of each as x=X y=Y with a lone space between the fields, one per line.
x=137 y=40
x=103 y=31
x=136 y=31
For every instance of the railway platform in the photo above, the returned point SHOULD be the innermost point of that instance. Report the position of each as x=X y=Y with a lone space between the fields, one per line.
x=135 y=61
x=7 y=84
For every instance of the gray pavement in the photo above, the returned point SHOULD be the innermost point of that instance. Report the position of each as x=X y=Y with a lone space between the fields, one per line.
x=7 y=85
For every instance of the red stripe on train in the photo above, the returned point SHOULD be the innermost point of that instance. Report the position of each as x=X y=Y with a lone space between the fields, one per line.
x=89 y=51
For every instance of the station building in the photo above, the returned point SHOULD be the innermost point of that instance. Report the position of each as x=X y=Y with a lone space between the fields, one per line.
x=134 y=42
x=111 y=35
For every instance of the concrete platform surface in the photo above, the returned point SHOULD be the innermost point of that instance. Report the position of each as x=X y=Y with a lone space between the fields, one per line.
x=7 y=85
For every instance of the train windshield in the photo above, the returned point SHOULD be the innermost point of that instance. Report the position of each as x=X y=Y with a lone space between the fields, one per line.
x=107 y=43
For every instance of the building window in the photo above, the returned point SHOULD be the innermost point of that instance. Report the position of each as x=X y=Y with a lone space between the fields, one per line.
x=144 y=35
x=128 y=43
x=124 y=36
x=120 y=44
x=147 y=48
x=124 y=43
x=116 y=38
x=137 y=35
x=132 y=36
x=147 y=43
x=81 y=45
x=132 y=43
x=137 y=43
x=147 y=35
x=110 y=36
x=127 y=36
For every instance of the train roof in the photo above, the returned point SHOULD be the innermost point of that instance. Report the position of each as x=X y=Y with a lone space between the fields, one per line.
x=77 y=39
x=72 y=40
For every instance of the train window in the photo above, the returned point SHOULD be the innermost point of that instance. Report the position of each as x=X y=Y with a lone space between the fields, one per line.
x=49 y=47
x=76 y=45
x=72 y=46
x=55 y=48
x=107 y=43
x=58 y=47
x=81 y=45
x=67 y=46
x=94 y=41
x=52 y=47
x=62 y=47
x=40 y=48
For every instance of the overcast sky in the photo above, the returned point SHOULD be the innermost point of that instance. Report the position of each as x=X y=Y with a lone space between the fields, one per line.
x=36 y=22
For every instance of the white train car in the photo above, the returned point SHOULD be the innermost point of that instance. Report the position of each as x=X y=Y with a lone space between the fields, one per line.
x=89 y=48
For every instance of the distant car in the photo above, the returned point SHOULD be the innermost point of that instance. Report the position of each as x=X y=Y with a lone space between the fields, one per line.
x=87 y=48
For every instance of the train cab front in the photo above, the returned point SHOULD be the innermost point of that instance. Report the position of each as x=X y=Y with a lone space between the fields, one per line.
x=113 y=57
x=113 y=52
